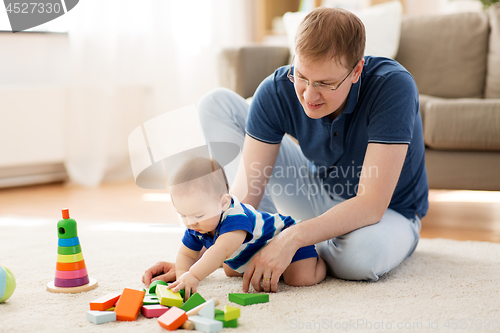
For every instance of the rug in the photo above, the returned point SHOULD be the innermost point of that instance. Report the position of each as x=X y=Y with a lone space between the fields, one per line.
x=445 y=286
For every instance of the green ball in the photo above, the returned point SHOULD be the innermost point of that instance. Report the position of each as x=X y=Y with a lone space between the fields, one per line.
x=7 y=283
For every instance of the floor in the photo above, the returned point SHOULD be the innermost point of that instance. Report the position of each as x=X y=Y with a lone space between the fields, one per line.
x=461 y=215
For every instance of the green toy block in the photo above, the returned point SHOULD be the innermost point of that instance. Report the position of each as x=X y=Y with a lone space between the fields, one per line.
x=183 y=294
x=193 y=301
x=231 y=323
x=167 y=297
x=66 y=228
x=151 y=300
x=219 y=311
x=231 y=313
x=247 y=299
x=65 y=250
x=152 y=286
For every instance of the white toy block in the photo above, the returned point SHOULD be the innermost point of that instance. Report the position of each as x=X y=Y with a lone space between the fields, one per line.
x=206 y=324
x=208 y=310
x=101 y=317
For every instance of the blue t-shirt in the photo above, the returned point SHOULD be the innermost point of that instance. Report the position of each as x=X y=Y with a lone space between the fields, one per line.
x=261 y=227
x=382 y=107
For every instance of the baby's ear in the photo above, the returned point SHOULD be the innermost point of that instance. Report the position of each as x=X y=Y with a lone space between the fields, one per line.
x=225 y=201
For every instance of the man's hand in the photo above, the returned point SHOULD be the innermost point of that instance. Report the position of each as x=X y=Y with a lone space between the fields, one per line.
x=186 y=281
x=164 y=271
x=269 y=263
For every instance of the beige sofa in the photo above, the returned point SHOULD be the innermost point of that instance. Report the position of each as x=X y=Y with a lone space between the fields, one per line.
x=455 y=60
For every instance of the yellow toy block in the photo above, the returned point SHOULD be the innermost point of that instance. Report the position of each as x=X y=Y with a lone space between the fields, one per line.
x=69 y=258
x=231 y=313
x=167 y=297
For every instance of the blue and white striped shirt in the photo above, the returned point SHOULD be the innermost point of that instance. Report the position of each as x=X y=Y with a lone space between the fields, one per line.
x=260 y=226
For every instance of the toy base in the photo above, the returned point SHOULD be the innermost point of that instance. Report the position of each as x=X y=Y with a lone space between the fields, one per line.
x=72 y=290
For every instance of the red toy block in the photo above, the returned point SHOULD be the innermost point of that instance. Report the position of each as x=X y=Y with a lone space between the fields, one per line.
x=105 y=302
x=128 y=306
x=153 y=310
x=173 y=318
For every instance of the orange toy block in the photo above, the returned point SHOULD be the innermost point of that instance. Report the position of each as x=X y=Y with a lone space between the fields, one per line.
x=105 y=302
x=173 y=318
x=129 y=304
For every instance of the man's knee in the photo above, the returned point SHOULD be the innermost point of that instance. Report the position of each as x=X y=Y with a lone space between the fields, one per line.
x=365 y=254
x=211 y=101
x=355 y=260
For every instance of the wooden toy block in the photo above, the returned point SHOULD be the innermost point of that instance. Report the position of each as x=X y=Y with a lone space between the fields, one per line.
x=71 y=274
x=111 y=309
x=247 y=299
x=206 y=324
x=69 y=249
x=188 y=325
x=69 y=257
x=150 y=300
x=218 y=312
x=196 y=310
x=208 y=310
x=193 y=301
x=67 y=283
x=231 y=323
x=68 y=241
x=153 y=311
x=231 y=313
x=167 y=297
x=128 y=306
x=92 y=284
x=105 y=302
x=70 y=266
x=152 y=286
x=183 y=294
x=66 y=228
x=173 y=318
x=101 y=317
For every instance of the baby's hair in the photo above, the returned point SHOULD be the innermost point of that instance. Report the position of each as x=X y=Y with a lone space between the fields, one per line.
x=200 y=174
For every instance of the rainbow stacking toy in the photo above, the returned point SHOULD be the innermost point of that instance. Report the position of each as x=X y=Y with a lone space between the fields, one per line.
x=71 y=272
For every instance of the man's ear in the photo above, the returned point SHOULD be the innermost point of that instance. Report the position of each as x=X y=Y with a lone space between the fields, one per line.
x=225 y=201
x=357 y=70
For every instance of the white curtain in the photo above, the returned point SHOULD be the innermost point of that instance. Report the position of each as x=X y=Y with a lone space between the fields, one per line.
x=134 y=60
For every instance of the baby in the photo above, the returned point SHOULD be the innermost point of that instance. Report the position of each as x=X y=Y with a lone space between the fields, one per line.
x=231 y=232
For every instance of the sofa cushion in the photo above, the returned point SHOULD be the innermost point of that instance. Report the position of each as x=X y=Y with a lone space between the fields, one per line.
x=462 y=124
x=424 y=101
x=446 y=54
x=493 y=75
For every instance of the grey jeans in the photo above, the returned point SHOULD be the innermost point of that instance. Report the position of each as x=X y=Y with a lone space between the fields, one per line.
x=294 y=189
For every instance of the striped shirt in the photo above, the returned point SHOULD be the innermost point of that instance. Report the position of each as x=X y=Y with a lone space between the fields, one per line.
x=261 y=227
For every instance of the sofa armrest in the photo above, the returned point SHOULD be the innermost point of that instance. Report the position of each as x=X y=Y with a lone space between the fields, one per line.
x=242 y=69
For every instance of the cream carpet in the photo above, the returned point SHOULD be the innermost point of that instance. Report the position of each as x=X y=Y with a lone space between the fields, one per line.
x=446 y=284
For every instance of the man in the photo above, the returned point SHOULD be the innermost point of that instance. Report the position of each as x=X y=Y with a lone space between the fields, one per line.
x=357 y=176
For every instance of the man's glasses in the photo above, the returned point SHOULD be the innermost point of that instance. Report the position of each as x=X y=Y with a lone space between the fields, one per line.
x=318 y=85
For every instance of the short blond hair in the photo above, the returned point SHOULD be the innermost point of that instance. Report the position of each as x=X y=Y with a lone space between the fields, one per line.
x=327 y=33
x=200 y=174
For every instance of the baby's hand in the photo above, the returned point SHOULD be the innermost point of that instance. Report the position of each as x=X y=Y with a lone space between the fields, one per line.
x=186 y=281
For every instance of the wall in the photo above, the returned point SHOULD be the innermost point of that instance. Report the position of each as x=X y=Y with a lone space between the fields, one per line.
x=34 y=75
